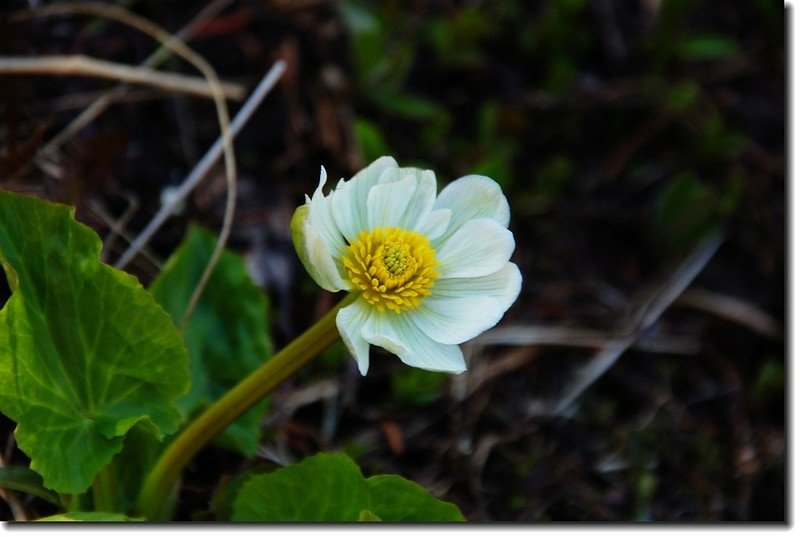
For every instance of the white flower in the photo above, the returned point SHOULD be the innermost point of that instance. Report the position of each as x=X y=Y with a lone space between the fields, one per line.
x=431 y=272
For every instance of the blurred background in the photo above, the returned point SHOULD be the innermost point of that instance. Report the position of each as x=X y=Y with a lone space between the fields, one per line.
x=641 y=143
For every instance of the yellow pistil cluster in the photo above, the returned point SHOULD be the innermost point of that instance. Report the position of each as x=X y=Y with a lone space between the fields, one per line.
x=394 y=268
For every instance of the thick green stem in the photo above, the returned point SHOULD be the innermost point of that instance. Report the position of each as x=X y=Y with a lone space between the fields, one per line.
x=74 y=502
x=104 y=492
x=156 y=497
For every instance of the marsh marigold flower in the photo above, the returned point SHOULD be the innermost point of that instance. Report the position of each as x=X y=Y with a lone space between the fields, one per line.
x=430 y=271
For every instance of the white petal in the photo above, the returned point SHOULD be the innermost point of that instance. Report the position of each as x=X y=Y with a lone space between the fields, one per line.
x=478 y=248
x=380 y=330
x=350 y=198
x=434 y=224
x=345 y=212
x=473 y=196
x=398 y=335
x=321 y=217
x=349 y=321
x=313 y=252
x=426 y=353
x=388 y=202
x=422 y=199
x=390 y=174
x=455 y=320
x=505 y=284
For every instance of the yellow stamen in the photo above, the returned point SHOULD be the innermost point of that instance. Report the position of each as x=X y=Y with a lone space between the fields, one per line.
x=394 y=268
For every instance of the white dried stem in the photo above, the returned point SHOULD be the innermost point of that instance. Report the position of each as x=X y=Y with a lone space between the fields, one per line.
x=80 y=65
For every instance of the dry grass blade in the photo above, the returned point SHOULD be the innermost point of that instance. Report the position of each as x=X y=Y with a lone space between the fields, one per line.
x=732 y=309
x=610 y=345
x=543 y=335
x=655 y=303
x=102 y=102
x=483 y=371
x=587 y=374
x=116 y=226
x=78 y=65
x=202 y=168
x=181 y=49
x=85 y=99
x=580 y=337
x=644 y=316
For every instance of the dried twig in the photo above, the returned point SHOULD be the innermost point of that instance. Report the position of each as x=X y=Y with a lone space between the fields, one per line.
x=227 y=144
x=116 y=226
x=484 y=371
x=202 y=168
x=732 y=309
x=102 y=102
x=177 y=46
x=580 y=337
x=643 y=316
x=321 y=390
x=79 y=65
x=83 y=99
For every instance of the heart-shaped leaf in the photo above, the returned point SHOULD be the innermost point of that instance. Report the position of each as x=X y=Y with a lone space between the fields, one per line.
x=227 y=334
x=86 y=354
x=325 y=487
x=329 y=487
x=397 y=499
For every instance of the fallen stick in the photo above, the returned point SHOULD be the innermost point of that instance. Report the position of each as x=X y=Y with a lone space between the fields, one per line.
x=79 y=65
x=202 y=168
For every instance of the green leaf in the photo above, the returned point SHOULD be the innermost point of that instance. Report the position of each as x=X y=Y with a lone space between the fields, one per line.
x=412 y=386
x=685 y=211
x=400 y=500
x=26 y=480
x=769 y=383
x=322 y=488
x=329 y=487
x=381 y=64
x=707 y=47
x=370 y=140
x=227 y=335
x=368 y=516
x=85 y=352
x=682 y=95
x=133 y=463
x=94 y=516
x=228 y=490
x=407 y=106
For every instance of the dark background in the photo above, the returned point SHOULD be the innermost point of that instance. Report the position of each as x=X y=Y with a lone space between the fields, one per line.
x=628 y=135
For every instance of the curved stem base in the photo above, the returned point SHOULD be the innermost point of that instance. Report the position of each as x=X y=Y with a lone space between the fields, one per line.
x=155 y=499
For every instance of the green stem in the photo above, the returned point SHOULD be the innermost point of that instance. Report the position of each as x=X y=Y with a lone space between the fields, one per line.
x=72 y=502
x=156 y=497
x=104 y=490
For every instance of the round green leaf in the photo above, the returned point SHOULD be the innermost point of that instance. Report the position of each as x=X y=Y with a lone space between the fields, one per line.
x=327 y=487
x=85 y=352
x=400 y=500
x=227 y=335
x=368 y=516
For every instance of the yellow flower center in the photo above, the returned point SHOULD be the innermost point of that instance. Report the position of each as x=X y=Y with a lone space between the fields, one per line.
x=394 y=268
